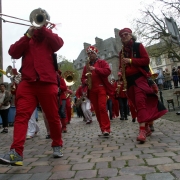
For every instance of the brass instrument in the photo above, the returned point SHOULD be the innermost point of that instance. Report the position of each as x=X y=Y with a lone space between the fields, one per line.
x=2 y=71
x=153 y=75
x=123 y=70
x=69 y=78
x=88 y=74
x=118 y=90
x=38 y=18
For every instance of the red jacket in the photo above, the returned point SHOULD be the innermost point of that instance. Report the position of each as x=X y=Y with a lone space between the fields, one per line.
x=103 y=71
x=121 y=94
x=63 y=88
x=137 y=63
x=37 y=61
x=80 y=91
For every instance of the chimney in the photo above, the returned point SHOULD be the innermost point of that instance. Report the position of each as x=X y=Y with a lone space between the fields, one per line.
x=98 y=41
x=86 y=45
x=118 y=40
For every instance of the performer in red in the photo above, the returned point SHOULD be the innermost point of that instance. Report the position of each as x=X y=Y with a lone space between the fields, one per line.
x=68 y=105
x=122 y=97
x=38 y=85
x=98 y=87
x=115 y=103
x=134 y=65
x=62 y=102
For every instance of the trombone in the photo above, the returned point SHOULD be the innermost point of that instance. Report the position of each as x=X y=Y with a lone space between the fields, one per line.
x=38 y=18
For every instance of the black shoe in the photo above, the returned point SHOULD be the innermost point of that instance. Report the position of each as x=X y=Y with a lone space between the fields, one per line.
x=178 y=113
x=4 y=131
x=126 y=118
x=152 y=128
x=134 y=120
x=48 y=137
x=121 y=118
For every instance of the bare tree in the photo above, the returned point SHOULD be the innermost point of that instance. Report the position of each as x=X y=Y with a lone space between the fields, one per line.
x=152 y=29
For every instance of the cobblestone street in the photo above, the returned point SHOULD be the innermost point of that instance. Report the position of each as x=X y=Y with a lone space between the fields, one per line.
x=87 y=156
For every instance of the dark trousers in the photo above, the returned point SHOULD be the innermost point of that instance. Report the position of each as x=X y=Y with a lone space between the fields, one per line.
x=109 y=107
x=123 y=107
x=4 y=117
x=62 y=109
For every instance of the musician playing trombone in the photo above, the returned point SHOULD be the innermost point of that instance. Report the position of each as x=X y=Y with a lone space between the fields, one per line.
x=38 y=85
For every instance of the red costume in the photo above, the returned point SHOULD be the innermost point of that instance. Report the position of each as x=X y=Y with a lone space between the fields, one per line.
x=115 y=103
x=100 y=89
x=68 y=105
x=62 y=102
x=38 y=85
x=138 y=89
x=135 y=67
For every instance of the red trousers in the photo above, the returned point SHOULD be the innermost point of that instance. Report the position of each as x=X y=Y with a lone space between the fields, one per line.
x=98 y=99
x=28 y=95
x=145 y=104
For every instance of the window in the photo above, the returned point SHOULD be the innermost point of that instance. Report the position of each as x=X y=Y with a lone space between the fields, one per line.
x=158 y=61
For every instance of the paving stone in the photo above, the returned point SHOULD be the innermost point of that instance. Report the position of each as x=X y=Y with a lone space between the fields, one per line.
x=86 y=174
x=19 y=170
x=177 y=173
x=126 y=177
x=20 y=176
x=101 y=165
x=136 y=162
x=168 y=167
x=40 y=169
x=59 y=168
x=118 y=164
x=164 y=154
x=106 y=159
x=83 y=166
x=108 y=172
x=4 y=169
x=126 y=157
x=40 y=176
x=137 y=170
x=159 y=176
x=62 y=175
x=5 y=176
x=156 y=161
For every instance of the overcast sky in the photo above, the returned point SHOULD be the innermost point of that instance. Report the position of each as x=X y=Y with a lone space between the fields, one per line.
x=81 y=21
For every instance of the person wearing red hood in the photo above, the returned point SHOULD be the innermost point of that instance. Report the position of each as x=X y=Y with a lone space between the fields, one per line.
x=98 y=87
x=136 y=72
x=38 y=85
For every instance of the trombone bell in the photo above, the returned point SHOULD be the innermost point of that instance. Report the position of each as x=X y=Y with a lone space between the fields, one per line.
x=38 y=18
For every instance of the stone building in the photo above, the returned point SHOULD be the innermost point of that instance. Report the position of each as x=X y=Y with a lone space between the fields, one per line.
x=108 y=50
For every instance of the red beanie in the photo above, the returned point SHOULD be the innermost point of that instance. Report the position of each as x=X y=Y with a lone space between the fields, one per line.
x=92 y=49
x=125 y=30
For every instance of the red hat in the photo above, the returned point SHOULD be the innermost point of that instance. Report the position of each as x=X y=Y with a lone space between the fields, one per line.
x=119 y=74
x=92 y=49
x=127 y=30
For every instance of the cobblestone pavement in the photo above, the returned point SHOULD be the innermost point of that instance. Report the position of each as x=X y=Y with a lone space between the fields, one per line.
x=87 y=156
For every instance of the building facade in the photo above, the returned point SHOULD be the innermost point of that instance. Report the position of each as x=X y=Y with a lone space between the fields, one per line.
x=108 y=50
